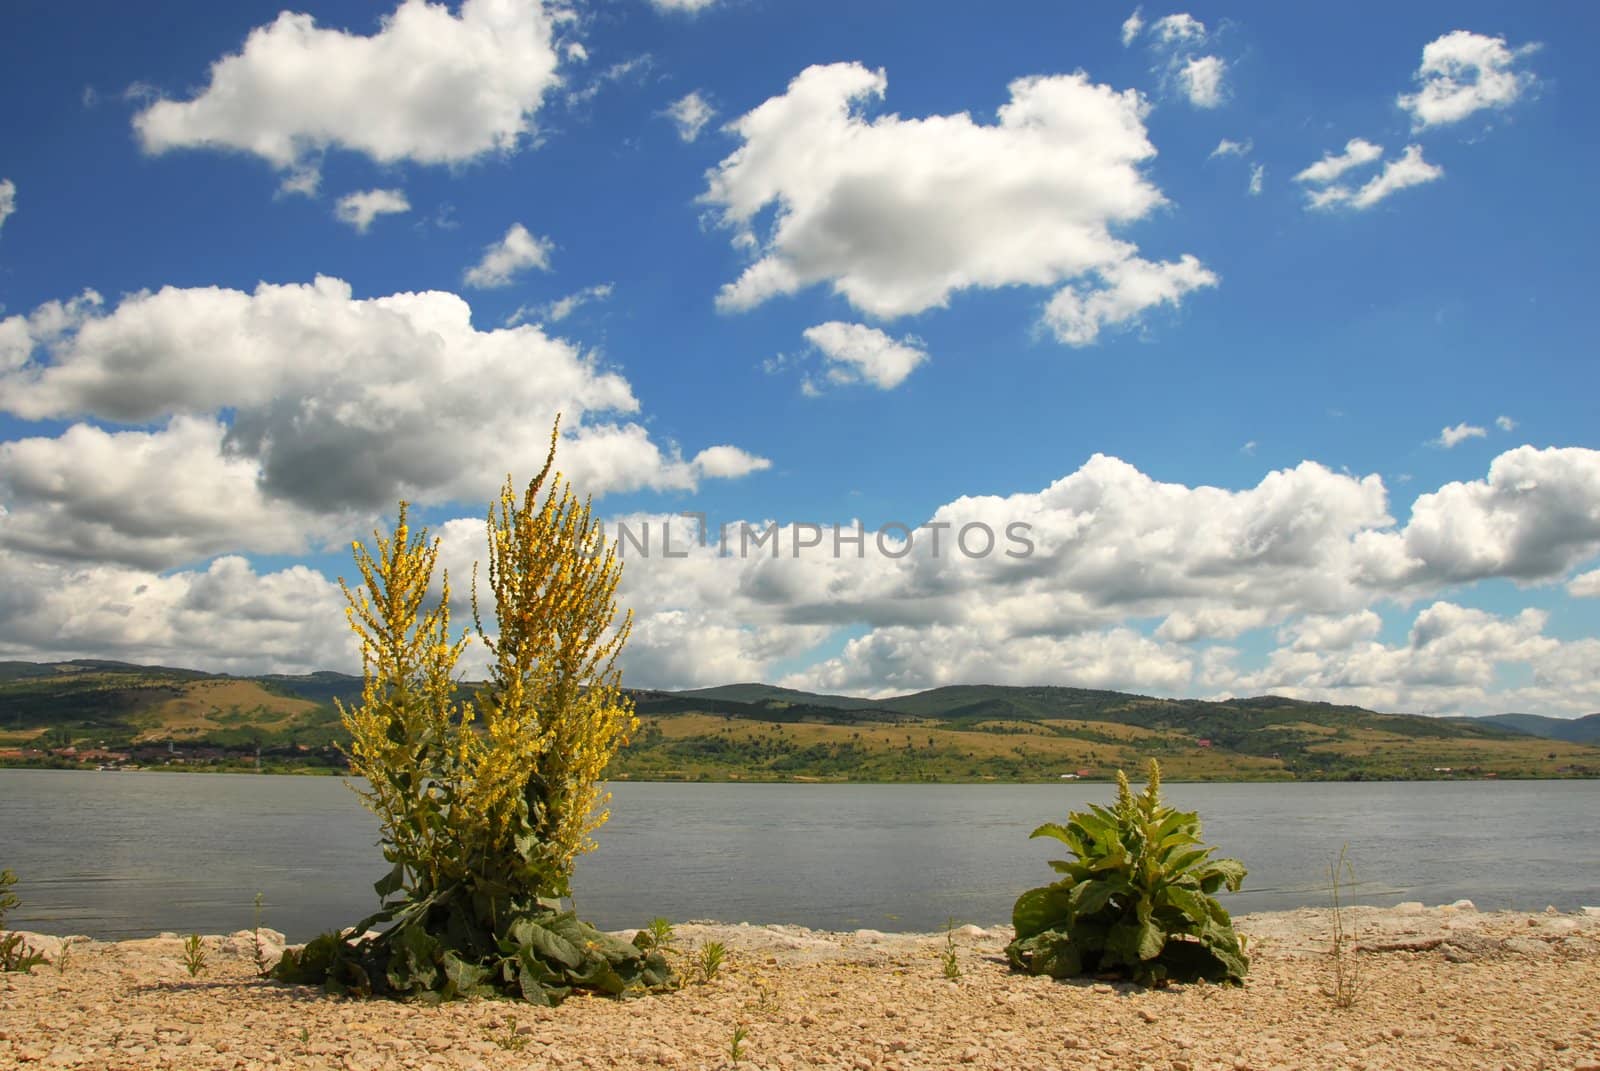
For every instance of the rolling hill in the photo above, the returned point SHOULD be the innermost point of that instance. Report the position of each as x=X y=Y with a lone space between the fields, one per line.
x=1584 y=730
x=62 y=713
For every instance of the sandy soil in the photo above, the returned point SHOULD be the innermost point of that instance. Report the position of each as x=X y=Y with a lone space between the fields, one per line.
x=1439 y=988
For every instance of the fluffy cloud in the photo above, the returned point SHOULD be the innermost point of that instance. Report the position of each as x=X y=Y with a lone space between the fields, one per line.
x=1409 y=170
x=1131 y=26
x=894 y=660
x=1178 y=29
x=1358 y=152
x=690 y=113
x=1324 y=632
x=429 y=86
x=1447 y=664
x=1535 y=516
x=1258 y=176
x=1113 y=552
x=343 y=404
x=516 y=252
x=898 y=214
x=690 y=6
x=1451 y=437
x=1201 y=80
x=225 y=617
x=1585 y=585
x=1128 y=289
x=359 y=209
x=727 y=462
x=8 y=200
x=1505 y=423
x=1463 y=73
x=856 y=353
x=1229 y=147
x=140 y=498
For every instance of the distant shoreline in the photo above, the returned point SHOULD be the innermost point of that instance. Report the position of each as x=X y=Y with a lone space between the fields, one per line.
x=322 y=771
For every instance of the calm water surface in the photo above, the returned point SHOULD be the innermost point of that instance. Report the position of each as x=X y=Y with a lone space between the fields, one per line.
x=130 y=854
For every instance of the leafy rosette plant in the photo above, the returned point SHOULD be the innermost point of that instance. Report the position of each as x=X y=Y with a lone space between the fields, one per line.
x=1136 y=899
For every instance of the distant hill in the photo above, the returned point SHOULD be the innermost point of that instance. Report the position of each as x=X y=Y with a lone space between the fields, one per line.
x=1584 y=730
x=50 y=713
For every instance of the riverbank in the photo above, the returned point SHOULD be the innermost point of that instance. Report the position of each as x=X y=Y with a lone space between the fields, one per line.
x=1441 y=987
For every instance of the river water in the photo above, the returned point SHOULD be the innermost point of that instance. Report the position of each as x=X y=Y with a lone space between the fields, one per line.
x=131 y=854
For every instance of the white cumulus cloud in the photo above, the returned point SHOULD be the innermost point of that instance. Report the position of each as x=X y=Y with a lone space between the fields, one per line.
x=1454 y=436
x=898 y=214
x=518 y=251
x=1585 y=585
x=1358 y=152
x=1202 y=80
x=1131 y=26
x=856 y=353
x=428 y=86
x=690 y=113
x=1410 y=169
x=8 y=200
x=1463 y=73
x=360 y=208
x=1181 y=28
x=340 y=404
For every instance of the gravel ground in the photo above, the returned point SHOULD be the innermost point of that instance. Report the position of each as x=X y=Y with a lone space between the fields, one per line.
x=1439 y=988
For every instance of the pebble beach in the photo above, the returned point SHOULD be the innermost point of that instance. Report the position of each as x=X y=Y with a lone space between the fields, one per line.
x=1441 y=987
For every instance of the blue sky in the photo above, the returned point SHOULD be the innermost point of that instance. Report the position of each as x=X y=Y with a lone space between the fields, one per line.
x=1193 y=292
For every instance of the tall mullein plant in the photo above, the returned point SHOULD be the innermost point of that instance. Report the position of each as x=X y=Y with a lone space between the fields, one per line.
x=405 y=733
x=554 y=686
x=484 y=806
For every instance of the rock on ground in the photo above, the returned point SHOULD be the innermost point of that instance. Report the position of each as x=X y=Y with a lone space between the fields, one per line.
x=1436 y=988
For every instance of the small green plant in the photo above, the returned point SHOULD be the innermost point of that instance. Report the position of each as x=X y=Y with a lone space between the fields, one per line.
x=510 y=1040
x=736 y=1048
x=657 y=936
x=64 y=957
x=712 y=954
x=259 y=948
x=16 y=955
x=1135 y=900
x=1346 y=968
x=194 y=955
x=948 y=958
x=305 y=1035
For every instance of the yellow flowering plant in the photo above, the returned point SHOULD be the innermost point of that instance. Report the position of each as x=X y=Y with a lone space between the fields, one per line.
x=484 y=805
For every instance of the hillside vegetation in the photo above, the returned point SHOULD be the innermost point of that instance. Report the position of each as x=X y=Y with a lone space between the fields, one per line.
x=118 y=714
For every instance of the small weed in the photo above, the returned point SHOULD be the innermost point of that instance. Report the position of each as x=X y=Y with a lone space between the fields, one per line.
x=15 y=953
x=1347 y=983
x=712 y=954
x=64 y=957
x=510 y=1040
x=769 y=996
x=948 y=958
x=260 y=949
x=194 y=955
x=305 y=1036
x=736 y=1048
x=658 y=935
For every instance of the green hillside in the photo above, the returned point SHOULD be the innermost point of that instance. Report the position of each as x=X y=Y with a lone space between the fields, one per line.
x=79 y=712
x=1584 y=730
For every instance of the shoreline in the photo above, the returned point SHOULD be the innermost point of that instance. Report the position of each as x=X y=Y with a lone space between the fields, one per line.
x=808 y=780
x=1440 y=986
